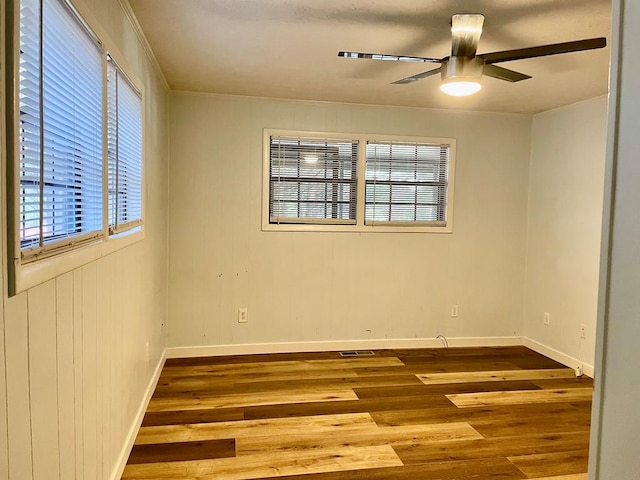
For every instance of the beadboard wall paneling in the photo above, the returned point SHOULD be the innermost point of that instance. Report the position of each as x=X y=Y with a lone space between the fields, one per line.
x=78 y=352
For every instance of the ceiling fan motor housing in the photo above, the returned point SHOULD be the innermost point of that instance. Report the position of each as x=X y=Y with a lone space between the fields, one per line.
x=462 y=69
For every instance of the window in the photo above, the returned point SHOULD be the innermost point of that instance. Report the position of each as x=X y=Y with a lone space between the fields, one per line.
x=124 y=145
x=59 y=131
x=312 y=180
x=76 y=143
x=346 y=182
x=406 y=183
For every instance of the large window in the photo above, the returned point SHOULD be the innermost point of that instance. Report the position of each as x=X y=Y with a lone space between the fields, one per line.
x=60 y=129
x=345 y=182
x=77 y=141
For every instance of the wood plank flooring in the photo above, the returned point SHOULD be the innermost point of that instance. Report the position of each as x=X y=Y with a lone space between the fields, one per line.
x=504 y=413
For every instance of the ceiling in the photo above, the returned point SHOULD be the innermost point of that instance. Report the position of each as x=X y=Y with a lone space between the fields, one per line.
x=288 y=49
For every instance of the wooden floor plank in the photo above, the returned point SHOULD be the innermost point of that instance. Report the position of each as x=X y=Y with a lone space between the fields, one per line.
x=192 y=416
x=577 y=476
x=179 y=451
x=259 y=357
x=272 y=464
x=319 y=424
x=331 y=383
x=363 y=437
x=355 y=406
x=495 y=376
x=448 y=388
x=475 y=387
x=484 y=469
x=249 y=399
x=278 y=367
x=493 y=419
x=571 y=382
x=436 y=367
x=524 y=446
x=552 y=464
x=465 y=400
x=532 y=424
x=204 y=380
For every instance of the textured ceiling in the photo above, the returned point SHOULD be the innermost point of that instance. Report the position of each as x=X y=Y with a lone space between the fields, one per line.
x=288 y=49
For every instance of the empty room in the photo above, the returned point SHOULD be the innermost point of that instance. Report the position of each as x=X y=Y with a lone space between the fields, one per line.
x=319 y=240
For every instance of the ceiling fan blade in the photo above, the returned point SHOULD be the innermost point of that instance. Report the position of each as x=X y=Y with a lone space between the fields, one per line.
x=465 y=34
x=416 y=77
x=503 y=73
x=544 y=50
x=382 y=56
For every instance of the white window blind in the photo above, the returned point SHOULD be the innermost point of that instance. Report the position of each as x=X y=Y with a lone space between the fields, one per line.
x=60 y=129
x=124 y=143
x=406 y=183
x=312 y=180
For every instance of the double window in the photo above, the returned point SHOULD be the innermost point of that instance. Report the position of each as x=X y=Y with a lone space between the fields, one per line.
x=79 y=116
x=357 y=182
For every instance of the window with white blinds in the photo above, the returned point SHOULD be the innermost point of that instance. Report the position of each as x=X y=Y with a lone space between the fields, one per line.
x=312 y=180
x=124 y=146
x=357 y=182
x=76 y=140
x=60 y=151
x=406 y=183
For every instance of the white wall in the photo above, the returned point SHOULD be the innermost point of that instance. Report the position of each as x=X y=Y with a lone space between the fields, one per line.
x=74 y=347
x=306 y=286
x=616 y=423
x=565 y=217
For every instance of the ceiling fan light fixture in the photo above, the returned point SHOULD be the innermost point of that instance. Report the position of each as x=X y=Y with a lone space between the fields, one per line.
x=460 y=87
x=461 y=76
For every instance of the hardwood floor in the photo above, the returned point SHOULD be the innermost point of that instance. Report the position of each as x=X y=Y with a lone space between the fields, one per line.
x=503 y=413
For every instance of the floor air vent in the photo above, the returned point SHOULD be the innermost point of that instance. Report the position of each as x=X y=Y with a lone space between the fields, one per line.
x=357 y=353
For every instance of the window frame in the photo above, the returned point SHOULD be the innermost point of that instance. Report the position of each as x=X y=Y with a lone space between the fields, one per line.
x=130 y=225
x=24 y=275
x=333 y=181
x=359 y=226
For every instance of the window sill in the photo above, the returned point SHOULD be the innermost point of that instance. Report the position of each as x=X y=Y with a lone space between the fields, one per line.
x=297 y=227
x=35 y=273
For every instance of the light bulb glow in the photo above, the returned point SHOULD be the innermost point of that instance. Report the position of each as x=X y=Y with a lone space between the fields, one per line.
x=460 y=88
x=311 y=158
x=466 y=29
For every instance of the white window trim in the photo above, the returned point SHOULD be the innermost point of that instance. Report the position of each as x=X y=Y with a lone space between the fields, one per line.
x=136 y=223
x=360 y=197
x=27 y=275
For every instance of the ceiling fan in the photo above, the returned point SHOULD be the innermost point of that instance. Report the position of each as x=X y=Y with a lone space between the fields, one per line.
x=462 y=70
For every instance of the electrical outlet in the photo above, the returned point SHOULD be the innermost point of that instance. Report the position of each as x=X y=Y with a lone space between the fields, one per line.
x=583 y=331
x=454 y=311
x=547 y=318
x=243 y=315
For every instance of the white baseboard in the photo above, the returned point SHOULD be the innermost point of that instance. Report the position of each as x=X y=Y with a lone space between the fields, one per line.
x=116 y=473
x=294 y=347
x=557 y=356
